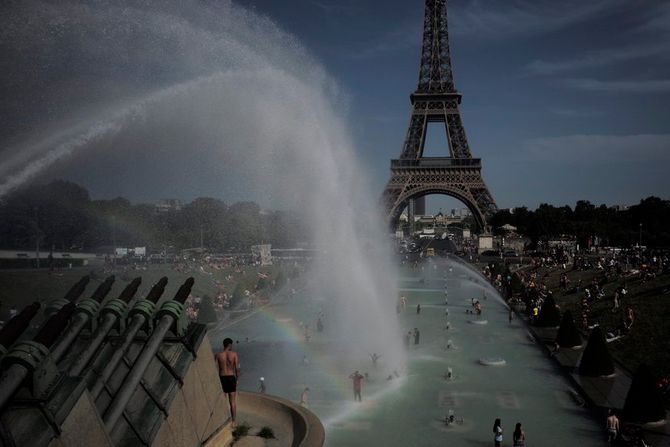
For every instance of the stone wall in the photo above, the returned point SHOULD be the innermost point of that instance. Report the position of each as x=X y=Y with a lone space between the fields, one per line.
x=199 y=408
x=292 y=424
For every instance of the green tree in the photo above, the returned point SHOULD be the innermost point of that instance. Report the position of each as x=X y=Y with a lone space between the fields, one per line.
x=262 y=283
x=243 y=227
x=203 y=221
x=280 y=279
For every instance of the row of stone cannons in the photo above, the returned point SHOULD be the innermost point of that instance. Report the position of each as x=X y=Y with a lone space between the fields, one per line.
x=122 y=371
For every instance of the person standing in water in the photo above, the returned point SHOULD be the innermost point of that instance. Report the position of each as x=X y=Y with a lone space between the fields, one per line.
x=497 y=433
x=519 y=436
x=612 y=426
x=418 y=309
x=357 y=379
x=374 y=356
x=417 y=336
x=304 y=396
x=261 y=386
x=229 y=374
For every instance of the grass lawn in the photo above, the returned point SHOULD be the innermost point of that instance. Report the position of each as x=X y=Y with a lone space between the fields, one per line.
x=649 y=339
x=22 y=287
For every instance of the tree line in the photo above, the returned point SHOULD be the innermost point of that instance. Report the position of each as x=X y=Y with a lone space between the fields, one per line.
x=647 y=222
x=62 y=215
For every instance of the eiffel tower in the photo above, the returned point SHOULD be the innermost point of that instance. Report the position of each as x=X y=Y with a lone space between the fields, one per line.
x=436 y=99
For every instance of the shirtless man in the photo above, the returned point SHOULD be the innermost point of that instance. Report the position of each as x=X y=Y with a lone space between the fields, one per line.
x=612 y=426
x=229 y=373
x=357 y=379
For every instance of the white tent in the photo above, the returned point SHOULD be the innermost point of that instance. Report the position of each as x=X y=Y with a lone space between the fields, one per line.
x=508 y=227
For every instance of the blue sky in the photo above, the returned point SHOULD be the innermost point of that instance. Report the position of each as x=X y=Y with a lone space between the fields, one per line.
x=562 y=100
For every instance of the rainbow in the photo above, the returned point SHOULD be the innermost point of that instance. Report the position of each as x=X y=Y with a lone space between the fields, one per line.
x=327 y=366
x=289 y=330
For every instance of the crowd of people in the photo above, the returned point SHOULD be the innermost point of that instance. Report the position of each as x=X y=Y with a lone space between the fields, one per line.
x=617 y=267
x=614 y=272
x=534 y=287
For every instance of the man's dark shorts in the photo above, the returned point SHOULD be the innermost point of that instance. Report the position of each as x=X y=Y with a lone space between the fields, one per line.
x=229 y=384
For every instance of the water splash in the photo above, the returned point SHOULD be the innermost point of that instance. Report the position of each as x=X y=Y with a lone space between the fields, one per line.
x=219 y=101
x=66 y=142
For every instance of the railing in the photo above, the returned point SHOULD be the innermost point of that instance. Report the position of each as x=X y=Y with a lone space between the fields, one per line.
x=436 y=162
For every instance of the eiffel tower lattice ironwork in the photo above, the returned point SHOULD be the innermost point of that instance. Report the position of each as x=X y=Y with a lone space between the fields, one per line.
x=437 y=100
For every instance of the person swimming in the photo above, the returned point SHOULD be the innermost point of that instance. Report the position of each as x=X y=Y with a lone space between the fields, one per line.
x=374 y=357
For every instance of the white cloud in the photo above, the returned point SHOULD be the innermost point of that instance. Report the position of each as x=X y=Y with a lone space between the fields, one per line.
x=596 y=59
x=496 y=19
x=658 y=19
x=487 y=19
x=634 y=86
x=600 y=149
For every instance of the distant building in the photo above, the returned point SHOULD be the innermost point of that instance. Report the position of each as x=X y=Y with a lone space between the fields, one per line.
x=294 y=254
x=425 y=219
x=262 y=254
x=462 y=213
x=565 y=241
x=427 y=233
x=441 y=220
x=420 y=205
x=168 y=205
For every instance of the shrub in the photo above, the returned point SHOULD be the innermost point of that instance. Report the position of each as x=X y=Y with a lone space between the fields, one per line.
x=206 y=312
x=596 y=360
x=241 y=430
x=280 y=280
x=261 y=284
x=266 y=432
x=644 y=402
x=549 y=314
x=568 y=335
x=238 y=295
x=294 y=273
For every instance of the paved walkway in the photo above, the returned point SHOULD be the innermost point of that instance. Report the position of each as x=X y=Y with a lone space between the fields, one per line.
x=600 y=392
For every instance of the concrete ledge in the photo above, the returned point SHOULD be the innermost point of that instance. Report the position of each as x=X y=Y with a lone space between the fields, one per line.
x=294 y=425
x=222 y=437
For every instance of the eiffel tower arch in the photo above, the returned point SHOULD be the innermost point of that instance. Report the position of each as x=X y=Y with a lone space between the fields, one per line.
x=436 y=100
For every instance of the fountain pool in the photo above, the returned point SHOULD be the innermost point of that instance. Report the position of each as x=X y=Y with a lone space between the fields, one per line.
x=407 y=404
